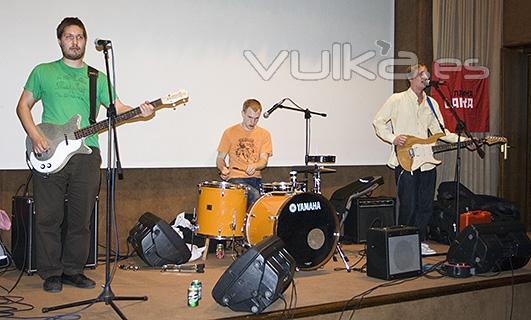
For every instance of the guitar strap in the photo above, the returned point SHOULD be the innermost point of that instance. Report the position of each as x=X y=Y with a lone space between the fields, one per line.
x=434 y=113
x=93 y=78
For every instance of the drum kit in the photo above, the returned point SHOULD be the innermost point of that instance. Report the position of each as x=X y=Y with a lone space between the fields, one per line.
x=305 y=221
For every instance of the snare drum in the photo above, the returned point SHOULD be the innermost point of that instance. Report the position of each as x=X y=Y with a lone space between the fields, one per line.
x=221 y=209
x=276 y=186
x=306 y=222
x=282 y=187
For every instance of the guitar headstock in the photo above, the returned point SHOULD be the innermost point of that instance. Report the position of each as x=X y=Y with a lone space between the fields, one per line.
x=175 y=99
x=490 y=140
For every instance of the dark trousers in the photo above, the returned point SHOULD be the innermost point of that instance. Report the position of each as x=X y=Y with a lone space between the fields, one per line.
x=253 y=188
x=79 y=180
x=415 y=198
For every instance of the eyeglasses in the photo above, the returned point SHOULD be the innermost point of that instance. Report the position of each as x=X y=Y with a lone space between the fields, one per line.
x=71 y=37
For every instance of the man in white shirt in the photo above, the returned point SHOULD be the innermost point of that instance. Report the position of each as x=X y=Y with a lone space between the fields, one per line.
x=409 y=113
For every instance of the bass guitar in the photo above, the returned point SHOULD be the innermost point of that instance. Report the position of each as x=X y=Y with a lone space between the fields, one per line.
x=66 y=140
x=417 y=151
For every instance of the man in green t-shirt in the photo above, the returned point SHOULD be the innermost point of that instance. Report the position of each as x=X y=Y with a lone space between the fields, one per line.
x=62 y=86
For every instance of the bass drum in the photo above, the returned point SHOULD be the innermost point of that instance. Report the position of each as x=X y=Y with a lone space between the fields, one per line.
x=306 y=222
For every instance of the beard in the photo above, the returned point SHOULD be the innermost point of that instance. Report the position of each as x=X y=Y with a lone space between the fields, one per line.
x=73 y=53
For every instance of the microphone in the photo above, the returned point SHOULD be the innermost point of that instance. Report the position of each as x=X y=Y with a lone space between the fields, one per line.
x=273 y=108
x=429 y=83
x=102 y=44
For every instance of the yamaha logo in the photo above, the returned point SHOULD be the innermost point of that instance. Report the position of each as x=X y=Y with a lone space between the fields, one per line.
x=305 y=206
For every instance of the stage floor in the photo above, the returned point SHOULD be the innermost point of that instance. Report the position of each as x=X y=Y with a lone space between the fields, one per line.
x=322 y=291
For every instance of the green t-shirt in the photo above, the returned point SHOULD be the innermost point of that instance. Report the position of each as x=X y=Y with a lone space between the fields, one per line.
x=64 y=92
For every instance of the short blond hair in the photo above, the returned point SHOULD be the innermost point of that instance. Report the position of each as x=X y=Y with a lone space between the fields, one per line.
x=253 y=104
x=413 y=69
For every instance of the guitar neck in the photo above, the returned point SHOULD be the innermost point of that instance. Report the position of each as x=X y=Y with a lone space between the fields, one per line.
x=450 y=146
x=104 y=124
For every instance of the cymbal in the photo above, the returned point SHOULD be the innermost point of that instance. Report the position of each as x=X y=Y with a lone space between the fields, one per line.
x=312 y=169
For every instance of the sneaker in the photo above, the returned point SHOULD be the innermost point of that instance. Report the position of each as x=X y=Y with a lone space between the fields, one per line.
x=426 y=250
x=52 y=284
x=79 y=280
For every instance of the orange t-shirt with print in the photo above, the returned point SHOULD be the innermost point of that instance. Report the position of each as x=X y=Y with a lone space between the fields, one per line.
x=244 y=148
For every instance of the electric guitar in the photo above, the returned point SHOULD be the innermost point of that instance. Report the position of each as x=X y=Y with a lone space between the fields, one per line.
x=66 y=140
x=417 y=151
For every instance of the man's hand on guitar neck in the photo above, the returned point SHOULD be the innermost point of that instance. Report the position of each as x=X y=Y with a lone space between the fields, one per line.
x=147 y=109
x=472 y=146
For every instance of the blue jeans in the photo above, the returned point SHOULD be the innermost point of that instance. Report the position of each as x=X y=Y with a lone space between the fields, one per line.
x=253 y=188
x=415 y=196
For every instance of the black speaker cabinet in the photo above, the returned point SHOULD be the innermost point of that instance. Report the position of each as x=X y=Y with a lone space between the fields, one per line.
x=23 y=235
x=393 y=252
x=365 y=213
x=257 y=278
x=492 y=247
x=156 y=243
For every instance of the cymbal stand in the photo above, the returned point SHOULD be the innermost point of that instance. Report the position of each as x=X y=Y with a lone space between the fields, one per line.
x=339 y=250
x=317 y=180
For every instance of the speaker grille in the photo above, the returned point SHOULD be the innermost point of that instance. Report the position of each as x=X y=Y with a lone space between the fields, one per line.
x=404 y=253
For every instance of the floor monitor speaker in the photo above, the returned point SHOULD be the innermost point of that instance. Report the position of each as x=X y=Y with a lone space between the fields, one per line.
x=495 y=246
x=156 y=243
x=257 y=278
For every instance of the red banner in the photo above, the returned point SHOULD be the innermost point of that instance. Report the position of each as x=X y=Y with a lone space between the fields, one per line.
x=467 y=89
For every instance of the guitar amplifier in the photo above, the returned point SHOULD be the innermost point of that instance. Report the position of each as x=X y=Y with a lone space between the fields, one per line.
x=23 y=235
x=365 y=213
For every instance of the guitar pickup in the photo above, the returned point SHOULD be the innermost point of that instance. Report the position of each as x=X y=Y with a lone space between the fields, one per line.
x=66 y=139
x=411 y=152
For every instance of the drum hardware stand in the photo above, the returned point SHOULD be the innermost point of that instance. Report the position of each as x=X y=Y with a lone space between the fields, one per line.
x=317 y=180
x=343 y=256
x=196 y=267
x=340 y=250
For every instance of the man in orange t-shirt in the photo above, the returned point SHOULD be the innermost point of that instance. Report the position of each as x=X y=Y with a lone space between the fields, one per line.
x=248 y=148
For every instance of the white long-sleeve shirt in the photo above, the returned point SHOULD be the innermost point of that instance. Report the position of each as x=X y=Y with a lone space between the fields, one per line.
x=402 y=114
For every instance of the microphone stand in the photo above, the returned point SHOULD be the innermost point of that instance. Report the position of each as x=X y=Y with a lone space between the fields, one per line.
x=307 y=116
x=460 y=129
x=107 y=295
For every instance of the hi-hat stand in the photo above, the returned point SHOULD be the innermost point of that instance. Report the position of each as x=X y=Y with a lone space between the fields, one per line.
x=107 y=295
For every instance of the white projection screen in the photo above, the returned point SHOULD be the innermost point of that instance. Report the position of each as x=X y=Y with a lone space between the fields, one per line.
x=324 y=55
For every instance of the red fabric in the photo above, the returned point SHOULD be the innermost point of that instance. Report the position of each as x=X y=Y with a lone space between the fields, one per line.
x=467 y=89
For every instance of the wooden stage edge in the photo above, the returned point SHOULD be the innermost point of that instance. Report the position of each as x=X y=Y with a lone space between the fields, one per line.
x=380 y=300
